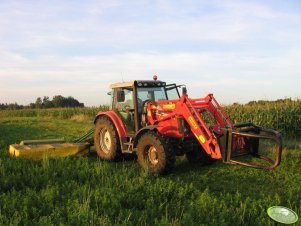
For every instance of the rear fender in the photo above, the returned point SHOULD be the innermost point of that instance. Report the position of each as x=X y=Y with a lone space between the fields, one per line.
x=116 y=121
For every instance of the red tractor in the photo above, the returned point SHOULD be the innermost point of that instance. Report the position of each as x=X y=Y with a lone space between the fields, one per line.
x=151 y=118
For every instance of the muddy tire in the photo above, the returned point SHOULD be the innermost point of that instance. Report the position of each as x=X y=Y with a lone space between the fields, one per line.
x=106 y=140
x=199 y=156
x=155 y=154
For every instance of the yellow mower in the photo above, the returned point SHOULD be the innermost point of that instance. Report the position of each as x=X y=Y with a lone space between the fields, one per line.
x=52 y=148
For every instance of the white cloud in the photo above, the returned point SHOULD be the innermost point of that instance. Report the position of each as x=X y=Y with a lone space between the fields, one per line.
x=78 y=49
x=212 y=72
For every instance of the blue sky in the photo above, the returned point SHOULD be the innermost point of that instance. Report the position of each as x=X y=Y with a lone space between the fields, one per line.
x=238 y=50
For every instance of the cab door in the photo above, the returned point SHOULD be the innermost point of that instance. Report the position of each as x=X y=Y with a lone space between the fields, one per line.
x=123 y=105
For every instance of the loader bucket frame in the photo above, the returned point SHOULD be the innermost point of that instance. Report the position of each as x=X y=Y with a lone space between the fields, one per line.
x=246 y=137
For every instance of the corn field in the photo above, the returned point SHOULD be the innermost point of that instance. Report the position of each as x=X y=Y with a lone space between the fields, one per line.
x=284 y=116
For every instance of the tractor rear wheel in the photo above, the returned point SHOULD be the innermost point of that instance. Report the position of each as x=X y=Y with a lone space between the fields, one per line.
x=199 y=156
x=154 y=153
x=106 y=140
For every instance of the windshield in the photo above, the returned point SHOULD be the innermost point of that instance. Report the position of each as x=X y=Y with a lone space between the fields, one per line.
x=169 y=92
x=151 y=93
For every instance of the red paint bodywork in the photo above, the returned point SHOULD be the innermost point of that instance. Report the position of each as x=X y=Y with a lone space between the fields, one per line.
x=165 y=115
x=190 y=110
x=116 y=121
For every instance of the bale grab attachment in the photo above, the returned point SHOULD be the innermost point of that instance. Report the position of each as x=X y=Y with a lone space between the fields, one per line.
x=244 y=139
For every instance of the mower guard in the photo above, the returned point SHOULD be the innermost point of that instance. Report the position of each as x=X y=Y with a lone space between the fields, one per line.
x=243 y=139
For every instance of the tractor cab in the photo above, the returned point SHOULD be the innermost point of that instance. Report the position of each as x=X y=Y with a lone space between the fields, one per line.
x=130 y=98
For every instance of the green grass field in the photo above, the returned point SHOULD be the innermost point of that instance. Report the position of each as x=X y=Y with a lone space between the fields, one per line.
x=87 y=191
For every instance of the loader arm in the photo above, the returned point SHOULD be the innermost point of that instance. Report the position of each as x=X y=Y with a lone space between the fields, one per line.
x=244 y=137
x=198 y=127
x=222 y=139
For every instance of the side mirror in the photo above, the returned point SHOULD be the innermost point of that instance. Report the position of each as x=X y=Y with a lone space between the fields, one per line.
x=109 y=93
x=120 y=96
x=184 y=91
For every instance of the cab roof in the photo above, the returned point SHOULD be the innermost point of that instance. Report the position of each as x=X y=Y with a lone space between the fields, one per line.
x=139 y=83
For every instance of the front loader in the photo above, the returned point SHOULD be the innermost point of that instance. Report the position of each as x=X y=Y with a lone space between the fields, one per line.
x=151 y=118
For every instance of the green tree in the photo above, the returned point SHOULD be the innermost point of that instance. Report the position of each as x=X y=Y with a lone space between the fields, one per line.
x=47 y=103
x=58 y=101
x=39 y=102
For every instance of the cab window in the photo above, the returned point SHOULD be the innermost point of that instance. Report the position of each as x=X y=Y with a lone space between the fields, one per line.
x=172 y=92
x=124 y=99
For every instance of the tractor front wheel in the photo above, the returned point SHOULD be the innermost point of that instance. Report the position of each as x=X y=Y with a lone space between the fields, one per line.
x=106 y=140
x=154 y=153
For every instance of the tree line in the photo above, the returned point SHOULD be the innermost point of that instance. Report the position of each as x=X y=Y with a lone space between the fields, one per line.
x=45 y=102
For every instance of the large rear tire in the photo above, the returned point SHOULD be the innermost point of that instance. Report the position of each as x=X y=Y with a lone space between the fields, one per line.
x=106 y=140
x=155 y=154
